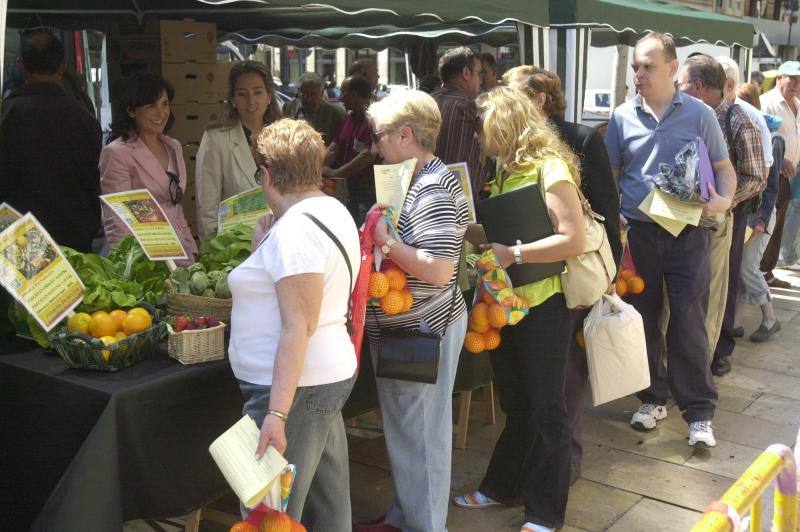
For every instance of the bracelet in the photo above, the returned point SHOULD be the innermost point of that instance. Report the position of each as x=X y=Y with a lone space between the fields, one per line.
x=279 y=415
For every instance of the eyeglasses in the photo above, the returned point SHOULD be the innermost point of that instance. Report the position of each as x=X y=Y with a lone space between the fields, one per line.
x=378 y=135
x=175 y=190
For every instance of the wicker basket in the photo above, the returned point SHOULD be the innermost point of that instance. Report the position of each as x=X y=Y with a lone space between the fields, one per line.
x=82 y=351
x=201 y=345
x=192 y=305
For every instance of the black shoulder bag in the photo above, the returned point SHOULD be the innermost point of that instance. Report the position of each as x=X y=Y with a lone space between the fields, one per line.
x=411 y=355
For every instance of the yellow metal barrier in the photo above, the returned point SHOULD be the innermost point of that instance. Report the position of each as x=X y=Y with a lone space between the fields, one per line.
x=776 y=463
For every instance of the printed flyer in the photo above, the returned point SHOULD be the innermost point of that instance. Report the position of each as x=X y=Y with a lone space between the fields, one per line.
x=243 y=208
x=36 y=273
x=392 y=182
x=148 y=223
x=461 y=171
x=8 y=215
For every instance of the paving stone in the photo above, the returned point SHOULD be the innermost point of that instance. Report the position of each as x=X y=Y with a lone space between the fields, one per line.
x=668 y=482
x=764 y=381
x=727 y=459
x=751 y=431
x=768 y=357
x=666 y=442
x=654 y=516
x=775 y=408
x=469 y=468
x=371 y=453
x=593 y=506
x=369 y=500
x=482 y=520
x=734 y=399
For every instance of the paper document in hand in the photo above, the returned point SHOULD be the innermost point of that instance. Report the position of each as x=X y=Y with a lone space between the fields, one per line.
x=666 y=206
x=243 y=208
x=142 y=214
x=673 y=226
x=235 y=454
x=461 y=171
x=34 y=270
x=392 y=182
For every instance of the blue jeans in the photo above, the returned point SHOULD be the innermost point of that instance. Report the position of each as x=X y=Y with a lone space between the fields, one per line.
x=317 y=445
x=418 y=425
x=754 y=288
x=790 y=241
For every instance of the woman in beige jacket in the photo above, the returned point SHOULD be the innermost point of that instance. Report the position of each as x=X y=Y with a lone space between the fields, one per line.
x=225 y=164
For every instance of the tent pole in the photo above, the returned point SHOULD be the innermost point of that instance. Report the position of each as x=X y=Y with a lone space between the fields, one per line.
x=619 y=75
x=3 y=7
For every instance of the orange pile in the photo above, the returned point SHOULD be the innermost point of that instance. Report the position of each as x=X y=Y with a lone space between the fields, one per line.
x=110 y=327
x=629 y=282
x=485 y=322
x=389 y=288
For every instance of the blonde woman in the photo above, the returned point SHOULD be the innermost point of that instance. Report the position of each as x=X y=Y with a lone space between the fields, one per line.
x=531 y=459
x=225 y=164
x=418 y=418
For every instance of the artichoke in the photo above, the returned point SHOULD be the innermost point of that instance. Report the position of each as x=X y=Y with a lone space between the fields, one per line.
x=222 y=291
x=198 y=282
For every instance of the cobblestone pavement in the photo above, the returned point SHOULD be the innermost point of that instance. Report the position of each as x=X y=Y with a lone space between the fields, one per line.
x=631 y=481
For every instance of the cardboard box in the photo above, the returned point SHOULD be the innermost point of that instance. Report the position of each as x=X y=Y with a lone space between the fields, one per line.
x=191 y=120
x=188 y=41
x=198 y=82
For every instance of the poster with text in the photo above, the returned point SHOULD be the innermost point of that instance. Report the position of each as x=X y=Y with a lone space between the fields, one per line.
x=144 y=217
x=461 y=171
x=35 y=272
x=243 y=208
x=8 y=215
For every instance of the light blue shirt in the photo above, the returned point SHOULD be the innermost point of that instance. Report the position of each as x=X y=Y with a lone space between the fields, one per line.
x=637 y=144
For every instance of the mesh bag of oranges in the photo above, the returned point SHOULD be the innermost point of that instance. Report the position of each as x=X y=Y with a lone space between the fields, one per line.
x=388 y=289
x=110 y=341
x=628 y=281
x=495 y=305
x=270 y=515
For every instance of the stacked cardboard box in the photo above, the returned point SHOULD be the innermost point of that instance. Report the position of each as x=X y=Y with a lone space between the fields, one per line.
x=189 y=63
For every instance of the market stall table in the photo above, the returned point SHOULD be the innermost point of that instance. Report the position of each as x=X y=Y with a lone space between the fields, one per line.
x=87 y=450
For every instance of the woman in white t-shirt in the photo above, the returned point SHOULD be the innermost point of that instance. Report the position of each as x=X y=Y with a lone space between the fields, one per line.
x=289 y=348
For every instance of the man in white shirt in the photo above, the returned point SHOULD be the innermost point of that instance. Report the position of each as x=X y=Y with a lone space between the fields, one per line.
x=782 y=101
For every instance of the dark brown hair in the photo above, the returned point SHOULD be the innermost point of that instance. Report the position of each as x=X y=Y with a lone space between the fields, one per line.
x=273 y=111
x=140 y=89
x=531 y=79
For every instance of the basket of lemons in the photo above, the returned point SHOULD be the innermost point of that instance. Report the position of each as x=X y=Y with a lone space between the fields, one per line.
x=109 y=341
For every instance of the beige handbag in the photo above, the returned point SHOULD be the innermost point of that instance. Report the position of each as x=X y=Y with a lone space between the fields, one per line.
x=588 y=275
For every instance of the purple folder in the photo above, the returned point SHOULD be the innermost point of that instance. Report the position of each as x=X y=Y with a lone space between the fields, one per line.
x=706 y=170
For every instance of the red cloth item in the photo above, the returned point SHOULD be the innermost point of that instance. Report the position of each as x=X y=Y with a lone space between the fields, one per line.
x=360 y=296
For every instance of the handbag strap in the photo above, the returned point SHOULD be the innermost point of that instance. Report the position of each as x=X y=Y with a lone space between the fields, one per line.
x=349 y=315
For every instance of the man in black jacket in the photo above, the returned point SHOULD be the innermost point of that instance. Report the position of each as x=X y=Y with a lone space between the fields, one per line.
x=50 y=147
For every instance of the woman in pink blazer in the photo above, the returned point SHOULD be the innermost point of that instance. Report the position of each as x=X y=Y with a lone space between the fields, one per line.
x=140 y=156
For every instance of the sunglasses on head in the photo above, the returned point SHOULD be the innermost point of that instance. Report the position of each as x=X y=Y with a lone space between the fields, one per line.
x=378 y=135
x=175 y=190
x=261 y=163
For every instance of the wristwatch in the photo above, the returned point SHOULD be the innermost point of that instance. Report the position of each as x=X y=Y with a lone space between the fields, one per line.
x=518 y=253
x=387 y=246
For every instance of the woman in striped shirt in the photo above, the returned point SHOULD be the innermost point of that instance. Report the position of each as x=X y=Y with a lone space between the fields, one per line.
x=417 y=418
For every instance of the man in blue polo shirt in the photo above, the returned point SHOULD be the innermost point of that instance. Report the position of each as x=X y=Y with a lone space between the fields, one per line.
x=642 y=134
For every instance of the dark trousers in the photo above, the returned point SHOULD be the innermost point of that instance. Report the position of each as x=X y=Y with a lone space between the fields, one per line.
x=683 y=265
x=530 y=461
x=770 y=258
x=577 y=377
x=726 y=342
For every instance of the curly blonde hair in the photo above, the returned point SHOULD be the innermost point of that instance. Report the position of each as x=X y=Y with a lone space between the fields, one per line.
x=518 y=134
x=292 y=152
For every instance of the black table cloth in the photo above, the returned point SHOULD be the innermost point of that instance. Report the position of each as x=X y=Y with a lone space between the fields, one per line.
x=86 y=450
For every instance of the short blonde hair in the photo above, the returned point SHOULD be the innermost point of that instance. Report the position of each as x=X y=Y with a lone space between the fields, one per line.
x=519 y=134
x=412 y=108
x=293 y=152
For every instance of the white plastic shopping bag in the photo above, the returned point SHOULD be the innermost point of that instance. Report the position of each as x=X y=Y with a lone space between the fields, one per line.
x=616 y=351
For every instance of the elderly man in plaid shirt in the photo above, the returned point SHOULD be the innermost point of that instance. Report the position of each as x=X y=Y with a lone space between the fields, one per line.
x=704 y=78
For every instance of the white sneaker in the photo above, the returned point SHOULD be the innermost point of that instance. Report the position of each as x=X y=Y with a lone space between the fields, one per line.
x=645 y=418
x=794 y=267
x=701 y=434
